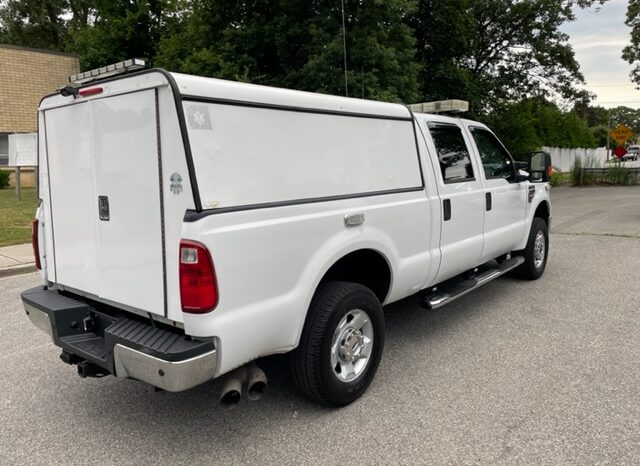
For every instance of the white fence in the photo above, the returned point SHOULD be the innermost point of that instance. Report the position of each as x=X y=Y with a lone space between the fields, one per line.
x=562 y=159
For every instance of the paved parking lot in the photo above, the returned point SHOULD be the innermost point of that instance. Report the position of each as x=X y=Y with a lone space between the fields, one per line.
x=544 y=372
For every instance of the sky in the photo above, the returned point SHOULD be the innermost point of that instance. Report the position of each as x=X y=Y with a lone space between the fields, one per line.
x=598 y=36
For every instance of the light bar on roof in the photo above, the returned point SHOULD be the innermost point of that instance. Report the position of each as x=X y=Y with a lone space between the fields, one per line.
x=441 y=106
x=121 y=67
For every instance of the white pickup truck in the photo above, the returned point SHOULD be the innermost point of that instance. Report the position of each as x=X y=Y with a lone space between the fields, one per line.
x=188 y=226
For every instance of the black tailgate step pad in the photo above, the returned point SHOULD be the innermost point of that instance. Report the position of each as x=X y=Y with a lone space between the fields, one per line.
x=155 y=341
x=85 y=330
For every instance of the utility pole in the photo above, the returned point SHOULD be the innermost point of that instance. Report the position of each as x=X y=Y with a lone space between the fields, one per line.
x=344 y=52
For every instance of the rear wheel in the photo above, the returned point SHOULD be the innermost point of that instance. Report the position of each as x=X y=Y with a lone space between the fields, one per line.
x=536 y=252
x=341 y=344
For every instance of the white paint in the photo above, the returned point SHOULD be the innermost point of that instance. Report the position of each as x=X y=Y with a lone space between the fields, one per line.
x=562 y=158
x=22 y=150
x=268 y=261
x=111 y=152
x=461 y=237
x=247 y=156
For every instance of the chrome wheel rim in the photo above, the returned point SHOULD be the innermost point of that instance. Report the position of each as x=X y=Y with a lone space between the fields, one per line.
x=351 y=345
x=539 y=250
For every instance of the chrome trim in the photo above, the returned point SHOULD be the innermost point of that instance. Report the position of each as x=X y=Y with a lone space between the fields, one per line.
x=39 y=318
x=172 y=376
x=355 y=219
x=482 y=279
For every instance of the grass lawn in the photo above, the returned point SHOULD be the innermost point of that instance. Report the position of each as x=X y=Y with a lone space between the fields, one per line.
x=16 y=216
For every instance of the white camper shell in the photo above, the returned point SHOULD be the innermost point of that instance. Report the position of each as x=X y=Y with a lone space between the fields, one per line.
x=290 y=197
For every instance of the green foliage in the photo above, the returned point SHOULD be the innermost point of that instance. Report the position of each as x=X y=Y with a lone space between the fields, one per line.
x=492 y=51
x=600 y=135
x=622 y=175
x=299 y=45
x=559 y=178
x=526 y=126
x=576 y=171
x=33 y=23
x=487 y=51
x=616 y=174
x=578 y=176
x=122 y=29
x=631 y=53
x=504 y=56
x=4 y=178
x=16 y=215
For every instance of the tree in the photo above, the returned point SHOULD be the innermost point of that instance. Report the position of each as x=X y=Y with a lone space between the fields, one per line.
x=492 y=51
x=116 y=30
x=631 y=53
x=298 y=45
x=34 y=23
x=527 y=125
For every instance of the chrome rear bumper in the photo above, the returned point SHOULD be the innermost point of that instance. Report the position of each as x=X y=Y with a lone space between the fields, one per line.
x=120 y=345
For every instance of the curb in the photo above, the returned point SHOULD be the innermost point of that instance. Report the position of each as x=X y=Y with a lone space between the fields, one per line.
x=17 y=270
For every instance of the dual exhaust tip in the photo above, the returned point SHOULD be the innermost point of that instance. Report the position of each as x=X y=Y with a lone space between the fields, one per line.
x=249 y=379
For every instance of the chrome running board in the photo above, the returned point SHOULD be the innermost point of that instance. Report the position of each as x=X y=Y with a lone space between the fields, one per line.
x=448 y=292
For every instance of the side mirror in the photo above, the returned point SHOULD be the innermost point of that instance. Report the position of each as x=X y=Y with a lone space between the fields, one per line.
x=522 y=165
x=540 y=168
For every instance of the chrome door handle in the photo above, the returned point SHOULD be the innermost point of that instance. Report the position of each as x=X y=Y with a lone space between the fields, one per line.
x=355 y=219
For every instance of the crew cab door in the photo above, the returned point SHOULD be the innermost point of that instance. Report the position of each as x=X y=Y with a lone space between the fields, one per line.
x=505 y=196
x=461 y=194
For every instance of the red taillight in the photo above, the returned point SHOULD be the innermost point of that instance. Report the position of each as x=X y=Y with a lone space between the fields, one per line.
x=198 y=287
x=34 y=242
x=90 y=91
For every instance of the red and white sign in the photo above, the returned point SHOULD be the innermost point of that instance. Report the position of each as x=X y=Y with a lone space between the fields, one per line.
x=619 y=152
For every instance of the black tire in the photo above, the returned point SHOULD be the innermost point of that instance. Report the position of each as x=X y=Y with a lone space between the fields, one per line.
x=311 y=365
x=532 y=269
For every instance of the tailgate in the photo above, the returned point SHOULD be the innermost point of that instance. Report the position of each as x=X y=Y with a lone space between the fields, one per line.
x=106 y=203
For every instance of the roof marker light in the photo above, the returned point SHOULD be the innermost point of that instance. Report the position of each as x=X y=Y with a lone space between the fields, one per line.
x=106 y=71
x=441 y=106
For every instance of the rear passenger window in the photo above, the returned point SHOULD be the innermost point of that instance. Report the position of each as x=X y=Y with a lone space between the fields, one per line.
x=455 y=162
x=496 y=161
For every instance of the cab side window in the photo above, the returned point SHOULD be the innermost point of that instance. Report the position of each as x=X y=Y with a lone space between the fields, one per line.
x=455 y=161
x=496 y=161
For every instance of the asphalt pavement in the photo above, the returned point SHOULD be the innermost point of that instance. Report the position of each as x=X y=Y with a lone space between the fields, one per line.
x=517 y=372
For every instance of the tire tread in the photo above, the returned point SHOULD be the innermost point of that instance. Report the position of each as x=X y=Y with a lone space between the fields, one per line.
x=306 y=359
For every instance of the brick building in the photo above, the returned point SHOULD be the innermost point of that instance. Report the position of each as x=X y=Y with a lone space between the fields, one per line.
x=26 y=75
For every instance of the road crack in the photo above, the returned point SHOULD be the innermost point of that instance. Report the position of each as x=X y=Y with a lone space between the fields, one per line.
x=582 y=233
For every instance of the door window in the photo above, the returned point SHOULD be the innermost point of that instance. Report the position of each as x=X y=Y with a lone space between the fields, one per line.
x=496 y=161
x=4 y=149
x=453 y=155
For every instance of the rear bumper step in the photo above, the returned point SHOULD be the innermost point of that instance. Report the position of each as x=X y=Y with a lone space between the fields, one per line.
x=101 y=343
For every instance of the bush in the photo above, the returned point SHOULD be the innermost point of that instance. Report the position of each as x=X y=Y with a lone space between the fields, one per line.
x=576 y=171
x=556 y=179
x=620 y=175
x=4 y=179
x=578 y=177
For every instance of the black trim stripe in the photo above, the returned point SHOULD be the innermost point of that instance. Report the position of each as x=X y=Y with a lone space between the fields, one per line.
x=161 y=194
x=53 y=233
x=181 y=120
x=185 y=137
x=415 y=137
x=192 y=216
x=290 y=108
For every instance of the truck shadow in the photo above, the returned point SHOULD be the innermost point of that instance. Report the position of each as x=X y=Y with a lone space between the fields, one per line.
x=174 y=417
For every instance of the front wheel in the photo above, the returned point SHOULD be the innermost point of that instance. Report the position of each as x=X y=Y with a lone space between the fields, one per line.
x=536 y=252
x=341 y=344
